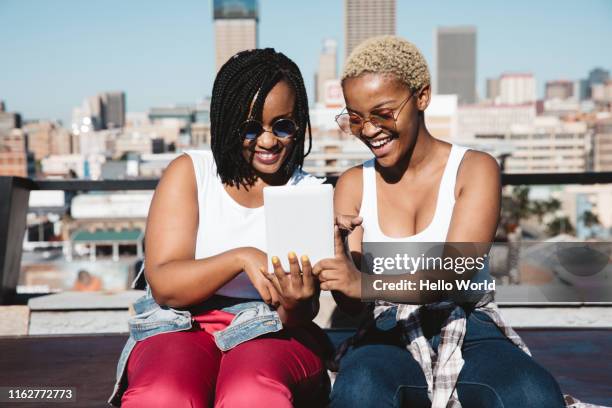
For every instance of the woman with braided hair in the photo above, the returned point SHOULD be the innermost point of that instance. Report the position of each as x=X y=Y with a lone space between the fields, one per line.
x=212 y=330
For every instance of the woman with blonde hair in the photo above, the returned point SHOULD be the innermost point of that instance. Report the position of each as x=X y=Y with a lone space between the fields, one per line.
x=425 y=349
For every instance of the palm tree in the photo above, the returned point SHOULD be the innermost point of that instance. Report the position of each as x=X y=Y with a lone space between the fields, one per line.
x=560 y=225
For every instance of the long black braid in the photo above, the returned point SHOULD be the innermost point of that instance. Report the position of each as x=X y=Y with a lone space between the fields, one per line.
x=246 y=76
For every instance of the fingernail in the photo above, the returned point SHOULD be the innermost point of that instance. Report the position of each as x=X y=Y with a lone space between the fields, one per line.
x=275 y=259
x=262 y=269
x=292 y=255
x=305 y=258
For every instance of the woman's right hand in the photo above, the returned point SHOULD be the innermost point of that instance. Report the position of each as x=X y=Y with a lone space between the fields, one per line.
x=252 y=260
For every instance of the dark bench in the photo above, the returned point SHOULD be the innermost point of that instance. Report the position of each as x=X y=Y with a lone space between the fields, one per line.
x=579 y=359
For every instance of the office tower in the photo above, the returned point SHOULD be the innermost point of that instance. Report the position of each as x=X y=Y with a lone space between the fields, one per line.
x=455 y=51
x=9 y=121
x=602 y=145
x=492 y=89
x=559 y=89
x=517 y=89
x=93 y=107
x=328 y=62
x=113 y=109
x=235 y=28
x=13 y=153
x=581 y=90
x=367 y=18
x=598 y=76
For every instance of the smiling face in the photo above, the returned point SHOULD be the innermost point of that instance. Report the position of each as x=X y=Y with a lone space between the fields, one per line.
x=373 y=92
x=267 y=153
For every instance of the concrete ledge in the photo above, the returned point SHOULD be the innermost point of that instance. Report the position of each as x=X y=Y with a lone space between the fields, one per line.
x=85 y=300
x=82 y=313
x=79 y=322
x=14 y=320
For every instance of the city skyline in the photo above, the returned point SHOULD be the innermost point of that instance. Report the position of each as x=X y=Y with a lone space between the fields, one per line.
x=164 y=54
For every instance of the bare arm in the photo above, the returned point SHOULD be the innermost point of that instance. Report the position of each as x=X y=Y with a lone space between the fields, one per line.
x=347 y=201
x=176 y=278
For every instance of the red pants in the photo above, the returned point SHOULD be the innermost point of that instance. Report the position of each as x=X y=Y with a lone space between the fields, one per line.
x=186 y=369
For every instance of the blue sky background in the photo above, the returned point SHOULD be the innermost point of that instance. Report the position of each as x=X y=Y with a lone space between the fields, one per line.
x=54 y=53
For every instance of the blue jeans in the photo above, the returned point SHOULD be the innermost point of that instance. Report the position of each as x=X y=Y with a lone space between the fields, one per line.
x=380 y=372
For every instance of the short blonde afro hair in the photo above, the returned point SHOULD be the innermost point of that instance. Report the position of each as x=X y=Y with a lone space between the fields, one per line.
x=389 y=54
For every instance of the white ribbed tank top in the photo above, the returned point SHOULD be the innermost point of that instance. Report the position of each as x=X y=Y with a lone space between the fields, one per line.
x=225 y=224
x=437 y=230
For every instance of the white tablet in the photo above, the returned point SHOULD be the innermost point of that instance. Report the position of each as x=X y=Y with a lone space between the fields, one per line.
x=299 y=219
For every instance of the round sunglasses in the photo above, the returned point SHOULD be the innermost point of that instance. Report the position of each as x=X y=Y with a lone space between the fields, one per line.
x=282 y=128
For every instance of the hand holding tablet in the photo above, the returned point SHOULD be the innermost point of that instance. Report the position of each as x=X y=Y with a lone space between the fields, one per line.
x=299 y=219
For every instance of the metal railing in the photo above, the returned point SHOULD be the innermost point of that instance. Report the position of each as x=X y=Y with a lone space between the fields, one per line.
x=15 y=193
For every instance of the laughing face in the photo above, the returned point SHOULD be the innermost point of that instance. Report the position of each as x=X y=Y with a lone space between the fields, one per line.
x=389 y=112
x=267 y=152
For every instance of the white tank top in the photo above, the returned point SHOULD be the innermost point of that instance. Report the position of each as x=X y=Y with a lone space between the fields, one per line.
x=224 y=224
x=437 y=230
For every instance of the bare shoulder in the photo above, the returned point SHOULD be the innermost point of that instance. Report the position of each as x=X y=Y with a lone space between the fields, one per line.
x=180 y=172
x=181 y=165
x=177 y=186
x=478 y=166
x=349 y=189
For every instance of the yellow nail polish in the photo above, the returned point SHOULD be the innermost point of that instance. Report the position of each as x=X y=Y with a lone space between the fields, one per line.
x=305 y=258
x=275 y=259
x=292 y=255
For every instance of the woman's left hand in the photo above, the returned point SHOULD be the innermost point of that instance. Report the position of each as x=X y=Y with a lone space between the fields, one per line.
x=339 y=273
x=295 y=287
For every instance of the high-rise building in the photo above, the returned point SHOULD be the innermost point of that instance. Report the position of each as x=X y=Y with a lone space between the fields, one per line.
x=492 y=89
x=455 y=51
x=327 y=71
x=13 y=153
x=9 y=121
x=367 y=18
x=113 y=109
x=93 y=107
x=581 y=89
x=47 y=138
x=549 y=145
x=602 y=145
x=598 y=76
x=559 y=89
x=235 y=28
x=517 y=89
x=481 y=121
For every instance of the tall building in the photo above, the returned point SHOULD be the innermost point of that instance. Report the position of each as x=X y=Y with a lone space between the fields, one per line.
x=46 y=138
x=581 y=89
x=596 y=76
x=235 y=28
x=455 y=51
x=367 y=18
x=480 y=121
x=549 y=145
x=492 y=89
x=517 y=89
x=602 y=145
x=13 y=153
x=328 y=63
x=559 y=89
x=9 y=121
x=113 y=109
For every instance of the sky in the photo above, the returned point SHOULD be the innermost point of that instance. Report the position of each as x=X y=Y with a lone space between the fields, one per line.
x=54 y=53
